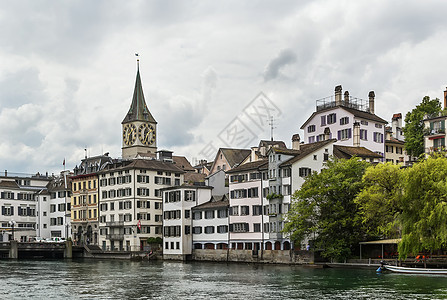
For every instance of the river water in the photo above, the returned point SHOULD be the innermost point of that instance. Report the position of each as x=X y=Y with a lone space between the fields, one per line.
x=111 y=279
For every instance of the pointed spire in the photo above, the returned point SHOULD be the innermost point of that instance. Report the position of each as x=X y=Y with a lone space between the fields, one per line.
x=138 y=110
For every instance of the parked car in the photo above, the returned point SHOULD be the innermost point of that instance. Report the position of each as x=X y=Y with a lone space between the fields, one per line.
x=39 y=239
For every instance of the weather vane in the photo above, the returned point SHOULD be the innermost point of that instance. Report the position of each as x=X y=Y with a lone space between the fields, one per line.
x=138 y=59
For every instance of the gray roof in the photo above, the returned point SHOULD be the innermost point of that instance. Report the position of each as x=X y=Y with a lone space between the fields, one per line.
x=215 y=202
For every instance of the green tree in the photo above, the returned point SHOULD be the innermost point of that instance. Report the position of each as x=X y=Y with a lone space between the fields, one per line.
x=414 y=125
x=325 y=207
x=380 y=201
x=424 y=217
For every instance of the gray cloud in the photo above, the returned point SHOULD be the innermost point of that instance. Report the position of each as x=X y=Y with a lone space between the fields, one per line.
x=273 y=68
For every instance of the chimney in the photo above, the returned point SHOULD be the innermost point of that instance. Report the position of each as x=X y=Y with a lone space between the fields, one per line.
x=445 y=98
x=346 y=98
x=296 y=142
x=356 y=135
x=371 y=96
x=338 y=91
x=327 y=133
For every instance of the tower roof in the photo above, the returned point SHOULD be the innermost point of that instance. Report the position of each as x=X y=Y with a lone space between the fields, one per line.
x=138 y=110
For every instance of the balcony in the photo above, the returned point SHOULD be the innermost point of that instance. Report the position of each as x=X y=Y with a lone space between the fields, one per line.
x=115 y=224
x=115 y=237
x=434 y=132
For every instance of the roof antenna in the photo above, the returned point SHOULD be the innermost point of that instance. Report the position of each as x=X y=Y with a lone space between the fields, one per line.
x=271 y=123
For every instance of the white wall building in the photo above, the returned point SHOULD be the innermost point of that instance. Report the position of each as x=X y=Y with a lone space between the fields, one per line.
x=57 y=208
x=351 y=121
x=177 y=218
x=210 y=224
x=19 y=196
x=248 y=212
x=130 y=205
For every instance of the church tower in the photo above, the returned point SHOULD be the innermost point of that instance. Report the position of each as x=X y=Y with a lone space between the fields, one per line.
x=139 y=126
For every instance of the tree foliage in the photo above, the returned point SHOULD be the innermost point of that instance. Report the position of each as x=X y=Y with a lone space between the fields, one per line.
x=414 y=125
x=325 y=207
x=380 y=201
x=424 y=217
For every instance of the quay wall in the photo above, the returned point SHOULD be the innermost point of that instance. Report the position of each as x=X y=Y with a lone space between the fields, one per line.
x=265 y=256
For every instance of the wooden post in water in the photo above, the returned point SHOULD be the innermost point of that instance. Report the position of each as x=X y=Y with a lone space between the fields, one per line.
x=68 y=252
x=13 y=249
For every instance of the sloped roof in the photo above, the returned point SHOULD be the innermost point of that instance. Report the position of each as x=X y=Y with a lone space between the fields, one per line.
x=8 y=184
x=183 y=163
x=194 y=177
x=138 y=110
x=235 y=156
x=147 y=164
x=249 y=166
x=306 y=149
x=280 y=144
x=285 y=151
x=215 y=202
x=394 y=141
x=349 y=151
x=355 y=112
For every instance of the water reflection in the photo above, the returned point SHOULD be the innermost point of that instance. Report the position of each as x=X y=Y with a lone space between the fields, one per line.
x=82 y=279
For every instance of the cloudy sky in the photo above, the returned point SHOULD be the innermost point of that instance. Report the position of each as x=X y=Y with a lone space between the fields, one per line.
x=68 y=69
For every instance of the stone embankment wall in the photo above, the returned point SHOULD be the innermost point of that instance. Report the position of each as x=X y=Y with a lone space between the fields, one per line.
x=266 y=256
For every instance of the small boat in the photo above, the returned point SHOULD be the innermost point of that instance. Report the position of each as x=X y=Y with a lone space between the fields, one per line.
x=415 y=270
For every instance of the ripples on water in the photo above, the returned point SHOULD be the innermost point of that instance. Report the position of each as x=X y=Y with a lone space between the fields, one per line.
x=93 y=279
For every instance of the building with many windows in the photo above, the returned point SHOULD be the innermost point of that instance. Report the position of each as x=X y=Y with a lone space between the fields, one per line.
x=130 y=206
x=57 y=208
x=210 y=228
x=19 y=198
x=178 y=201
x=352 y=121
x=85 y=199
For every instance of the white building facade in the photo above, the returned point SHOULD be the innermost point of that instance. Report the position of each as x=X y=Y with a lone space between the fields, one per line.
x=130 y=205
x=19 y=198
x=178 y=202
x=351 y=121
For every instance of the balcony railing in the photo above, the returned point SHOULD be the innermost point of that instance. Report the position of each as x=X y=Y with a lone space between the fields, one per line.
x=435 y=131
x=115 y=224
x=115 y=237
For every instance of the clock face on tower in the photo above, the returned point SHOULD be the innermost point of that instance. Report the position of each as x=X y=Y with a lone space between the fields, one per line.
x=146 y=134
x=129 y=134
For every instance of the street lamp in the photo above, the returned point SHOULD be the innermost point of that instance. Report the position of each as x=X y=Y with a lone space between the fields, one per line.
x=12 y=223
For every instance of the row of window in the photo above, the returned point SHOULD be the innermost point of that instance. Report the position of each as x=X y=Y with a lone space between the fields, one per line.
x=60 y=194
x=257 y=210
x=60 y=207
x=83 y=185
x=390 y=149
x=121 y=205
x=121 y=193
x=244 y=193
x=57 y=221
x=175 y=196
x=209 y=214
x=20 y=196
x=84 y=214
x=115 y=180
x=84 y=200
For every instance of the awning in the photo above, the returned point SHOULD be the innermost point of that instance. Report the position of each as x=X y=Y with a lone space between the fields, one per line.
x=382 y=242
